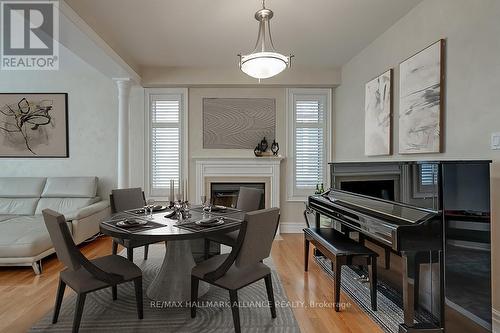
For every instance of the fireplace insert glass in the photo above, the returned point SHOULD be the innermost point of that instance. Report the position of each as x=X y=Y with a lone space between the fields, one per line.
x=226 y=194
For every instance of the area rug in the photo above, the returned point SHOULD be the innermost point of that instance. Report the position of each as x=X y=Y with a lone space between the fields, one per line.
x=389 y=312
x=102 y=314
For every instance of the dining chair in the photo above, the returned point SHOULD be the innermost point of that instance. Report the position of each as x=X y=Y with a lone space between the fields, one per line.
x=248 y=201
x=85 y=276
x=122 y=200
x=243 y=266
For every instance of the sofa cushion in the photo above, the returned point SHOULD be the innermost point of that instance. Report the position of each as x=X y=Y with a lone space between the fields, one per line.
x=65 y=206
x=21 y=187
x=18 y=206
x=70 y=187
x=23 y=236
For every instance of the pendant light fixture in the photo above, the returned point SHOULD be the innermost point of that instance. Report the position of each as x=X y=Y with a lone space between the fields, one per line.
x=264 y=62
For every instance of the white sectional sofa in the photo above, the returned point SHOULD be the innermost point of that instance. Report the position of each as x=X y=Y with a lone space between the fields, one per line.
x=24 y=240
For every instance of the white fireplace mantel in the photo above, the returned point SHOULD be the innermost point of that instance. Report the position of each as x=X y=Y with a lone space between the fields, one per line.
x=240 y=169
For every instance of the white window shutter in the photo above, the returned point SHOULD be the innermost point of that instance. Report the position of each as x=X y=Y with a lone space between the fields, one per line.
x=309 y=140
x=165 y=142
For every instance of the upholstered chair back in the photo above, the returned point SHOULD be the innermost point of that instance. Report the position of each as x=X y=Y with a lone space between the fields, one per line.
x=261 y=226
x=249 y=199
x=61 y=238
x=125 y=199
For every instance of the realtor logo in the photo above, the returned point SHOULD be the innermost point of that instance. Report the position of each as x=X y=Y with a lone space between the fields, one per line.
x=30 y=34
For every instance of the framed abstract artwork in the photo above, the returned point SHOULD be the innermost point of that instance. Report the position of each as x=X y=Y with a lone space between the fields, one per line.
x=238 y=123
x=34 y=125
x=421 y=101
x=378 y=114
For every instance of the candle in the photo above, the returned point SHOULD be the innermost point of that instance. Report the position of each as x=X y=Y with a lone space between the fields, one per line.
x=185 y=190
x=172 y=190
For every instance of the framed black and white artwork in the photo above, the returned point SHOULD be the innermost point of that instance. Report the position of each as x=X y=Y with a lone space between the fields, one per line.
x=34 y=125
x=421 y=101
x=378 y=114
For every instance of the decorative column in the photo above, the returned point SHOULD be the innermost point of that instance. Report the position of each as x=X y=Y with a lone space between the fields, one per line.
x=123 y=167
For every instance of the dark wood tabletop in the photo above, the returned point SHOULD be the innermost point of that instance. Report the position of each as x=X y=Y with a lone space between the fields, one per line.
x=170 y=230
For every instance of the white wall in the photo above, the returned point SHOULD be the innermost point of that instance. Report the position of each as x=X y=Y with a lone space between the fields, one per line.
x=92 y=107
x=472 y=31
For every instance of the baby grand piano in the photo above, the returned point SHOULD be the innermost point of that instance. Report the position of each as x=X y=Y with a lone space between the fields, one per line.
x=435 y=217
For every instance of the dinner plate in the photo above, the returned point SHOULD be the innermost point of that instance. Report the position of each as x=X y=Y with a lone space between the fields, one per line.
x=130 y=223
x=210 y=223
x=217 y=208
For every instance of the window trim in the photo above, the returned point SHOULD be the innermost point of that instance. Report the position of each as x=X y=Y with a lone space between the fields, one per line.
x=293 y=194
x=184 y=142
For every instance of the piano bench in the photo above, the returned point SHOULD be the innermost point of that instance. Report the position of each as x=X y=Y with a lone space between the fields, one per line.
x=341 y=250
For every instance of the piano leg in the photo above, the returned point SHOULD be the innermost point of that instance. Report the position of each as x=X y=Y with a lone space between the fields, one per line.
x=408 y=289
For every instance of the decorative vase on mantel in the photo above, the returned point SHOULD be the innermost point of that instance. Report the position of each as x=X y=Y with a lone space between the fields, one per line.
x=275 y=148
x=258 y=150
x=264 y=145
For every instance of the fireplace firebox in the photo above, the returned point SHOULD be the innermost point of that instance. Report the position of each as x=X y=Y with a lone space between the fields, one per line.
x=226 y=194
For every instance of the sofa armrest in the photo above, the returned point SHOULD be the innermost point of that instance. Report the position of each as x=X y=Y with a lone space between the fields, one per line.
x=88 y=211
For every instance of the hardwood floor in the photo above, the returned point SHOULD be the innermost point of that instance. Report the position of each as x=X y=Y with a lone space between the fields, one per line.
x=25 y=298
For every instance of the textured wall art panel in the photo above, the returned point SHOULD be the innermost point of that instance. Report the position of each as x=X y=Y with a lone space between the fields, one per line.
x=238 y=123
x=420 y=104
x=378 y=111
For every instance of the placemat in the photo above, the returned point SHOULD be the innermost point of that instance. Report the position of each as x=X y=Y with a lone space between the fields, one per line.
x=192 y=226
x=148 y=226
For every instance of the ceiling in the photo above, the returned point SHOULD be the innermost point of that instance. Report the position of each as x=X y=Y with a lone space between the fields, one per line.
x=210 y=33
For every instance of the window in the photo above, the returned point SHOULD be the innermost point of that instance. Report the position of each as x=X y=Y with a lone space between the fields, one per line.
x=425 y=179
x=428 y=174
x=308 y=114
x=167 y=142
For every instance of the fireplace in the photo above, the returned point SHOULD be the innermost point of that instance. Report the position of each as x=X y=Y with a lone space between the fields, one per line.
x=226 y=194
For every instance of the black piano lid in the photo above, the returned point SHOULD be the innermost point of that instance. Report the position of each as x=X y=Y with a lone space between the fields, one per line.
x=390 y=210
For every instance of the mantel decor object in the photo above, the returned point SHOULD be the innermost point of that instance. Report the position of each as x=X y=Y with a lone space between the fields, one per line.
x=275 y=148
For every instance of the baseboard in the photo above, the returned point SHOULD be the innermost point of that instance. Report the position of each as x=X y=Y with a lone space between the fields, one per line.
x=496 y=320
x=292 y=227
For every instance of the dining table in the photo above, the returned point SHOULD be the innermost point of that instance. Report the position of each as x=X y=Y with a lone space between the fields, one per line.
x=172 y=282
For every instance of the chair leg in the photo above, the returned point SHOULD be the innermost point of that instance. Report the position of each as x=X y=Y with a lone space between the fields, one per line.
x=114 y=247
x=130 y=254
x=270 y=294
x=114 y=292
x=207 y=248
x=80 y=302
x=146 y=251
x=233 y=297
x=336 y=294
x=372 y=274
x=306 y=254
x=194 y=294
x=138 y=297
x=59 y=299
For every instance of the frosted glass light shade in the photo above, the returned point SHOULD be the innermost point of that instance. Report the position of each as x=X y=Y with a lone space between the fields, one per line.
x=263 y=65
